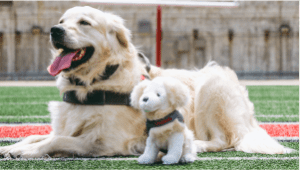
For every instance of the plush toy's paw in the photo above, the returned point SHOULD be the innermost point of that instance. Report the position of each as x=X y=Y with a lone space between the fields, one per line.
x=188 y=158
x=146 y=159
x=170 y=159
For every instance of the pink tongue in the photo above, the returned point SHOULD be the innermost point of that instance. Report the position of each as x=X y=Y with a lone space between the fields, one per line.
x=61 y=63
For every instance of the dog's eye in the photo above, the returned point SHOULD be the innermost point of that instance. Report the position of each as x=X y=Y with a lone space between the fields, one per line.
x=62 y=21
x=158 y=95
x=84 y=23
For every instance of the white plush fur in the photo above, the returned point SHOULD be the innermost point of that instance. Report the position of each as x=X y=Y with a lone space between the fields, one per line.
x=158 y=98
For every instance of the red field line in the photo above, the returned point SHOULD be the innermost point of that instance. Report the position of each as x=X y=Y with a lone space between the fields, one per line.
x=282 y=130
x=274 y=130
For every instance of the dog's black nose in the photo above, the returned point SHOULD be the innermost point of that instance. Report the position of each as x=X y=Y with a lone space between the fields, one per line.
x=145 y=99
x=57 y=31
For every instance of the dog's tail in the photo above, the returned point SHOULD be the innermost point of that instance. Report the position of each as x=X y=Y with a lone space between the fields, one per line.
x=258 y=141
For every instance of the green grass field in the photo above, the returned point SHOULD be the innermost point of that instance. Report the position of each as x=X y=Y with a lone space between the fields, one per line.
x=29 y=104
x=272 y=104
x=128 y=164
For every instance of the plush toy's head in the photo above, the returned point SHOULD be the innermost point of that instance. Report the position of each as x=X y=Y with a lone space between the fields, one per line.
x=162 y=93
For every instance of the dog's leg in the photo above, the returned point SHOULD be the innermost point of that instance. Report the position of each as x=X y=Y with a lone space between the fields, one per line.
x=29 y=140
x=53 y=144
x=150 y=154
x=175 y=144
x=210 y=146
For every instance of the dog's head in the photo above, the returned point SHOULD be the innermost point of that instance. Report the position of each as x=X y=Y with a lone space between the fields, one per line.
x=162 y=93
x=86 y=40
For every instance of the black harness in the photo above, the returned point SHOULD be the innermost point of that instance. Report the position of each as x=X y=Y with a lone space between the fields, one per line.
x=109 y=71
x=98 y=97
x=163 y=121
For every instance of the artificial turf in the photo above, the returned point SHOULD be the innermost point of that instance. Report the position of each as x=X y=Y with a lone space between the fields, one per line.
x=275 y=100
x=107 y=164
x=225 y=163
x=292 y=145
x=268 y=100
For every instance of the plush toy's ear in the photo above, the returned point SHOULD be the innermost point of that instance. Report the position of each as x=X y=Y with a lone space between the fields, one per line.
x=137 y=93
x=178 y=93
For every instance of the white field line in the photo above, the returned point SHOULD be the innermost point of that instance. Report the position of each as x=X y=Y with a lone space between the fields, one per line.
x=286 y=138
x=24 y=103
x=280 y=139
x=24 y=124
x=9 y=117
x=27 y=83
x=275 y=101
x=269 y=82
x=42 y=124
x=276 y=115
x=47 y=116
x=243 y=82
x=135 y=159
x=28 y=96
x=281 y=123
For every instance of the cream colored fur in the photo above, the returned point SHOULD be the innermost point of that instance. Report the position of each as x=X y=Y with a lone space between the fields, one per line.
x=219 y=112
x=84 y=129
x=157 y=99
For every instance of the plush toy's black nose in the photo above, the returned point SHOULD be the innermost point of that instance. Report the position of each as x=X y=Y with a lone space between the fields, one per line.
x=145 y=99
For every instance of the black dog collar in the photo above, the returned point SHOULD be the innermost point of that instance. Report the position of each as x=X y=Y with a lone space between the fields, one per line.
x=160 y=122
x=98 y=97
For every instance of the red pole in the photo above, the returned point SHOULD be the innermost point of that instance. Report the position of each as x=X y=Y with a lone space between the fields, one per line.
x=158 y=37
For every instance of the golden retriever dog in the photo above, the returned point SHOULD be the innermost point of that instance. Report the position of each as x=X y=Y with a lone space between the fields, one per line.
x=159 y=100
x=97 y=67
x=92 y=53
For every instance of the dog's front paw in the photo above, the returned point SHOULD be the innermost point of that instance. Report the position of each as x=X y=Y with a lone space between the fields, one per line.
x=146 y=159
x=5 y=150
x=188 y=158
x=170 y=159
x=26 y=152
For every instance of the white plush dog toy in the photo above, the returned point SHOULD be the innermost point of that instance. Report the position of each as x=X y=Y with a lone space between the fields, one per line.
x=159 y=99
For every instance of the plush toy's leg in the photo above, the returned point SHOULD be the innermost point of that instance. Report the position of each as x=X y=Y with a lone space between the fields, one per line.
x=175 y=144
x=150 y=153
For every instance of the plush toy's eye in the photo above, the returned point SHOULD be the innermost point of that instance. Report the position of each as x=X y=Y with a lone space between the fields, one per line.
x=158 y=94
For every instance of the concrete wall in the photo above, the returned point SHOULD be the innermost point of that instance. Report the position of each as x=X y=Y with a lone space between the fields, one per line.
x=259 y=39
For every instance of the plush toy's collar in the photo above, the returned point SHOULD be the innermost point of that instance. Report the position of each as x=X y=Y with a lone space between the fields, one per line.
x=168 y=119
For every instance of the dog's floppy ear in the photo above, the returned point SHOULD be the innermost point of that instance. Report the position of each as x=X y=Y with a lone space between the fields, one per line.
x=137 y=93
x=145 y=60
x=178 y=93
x=116 y=24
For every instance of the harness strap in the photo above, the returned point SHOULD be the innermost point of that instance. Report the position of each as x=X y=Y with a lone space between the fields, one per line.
x=160 y=122
x=98 y=97
x=168 y=119
x=109 y=71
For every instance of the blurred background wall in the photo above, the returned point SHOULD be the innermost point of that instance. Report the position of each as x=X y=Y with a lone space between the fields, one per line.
x=259 y=40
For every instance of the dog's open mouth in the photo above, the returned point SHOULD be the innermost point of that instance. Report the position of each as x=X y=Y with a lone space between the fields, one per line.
x=70 y=59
